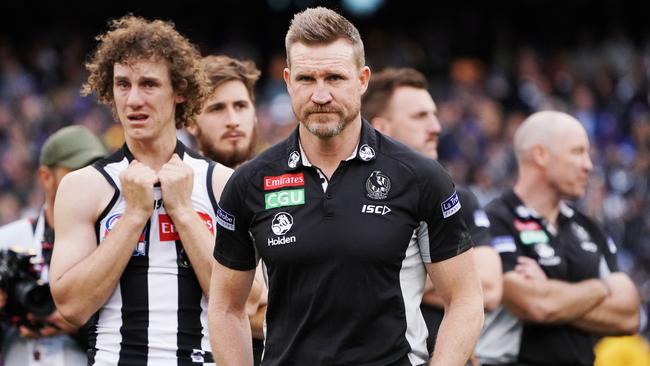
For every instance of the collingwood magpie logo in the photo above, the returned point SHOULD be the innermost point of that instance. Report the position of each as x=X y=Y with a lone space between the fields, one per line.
x=377 y=185
x=293 y=159
x=366 y=152
x=281 y=224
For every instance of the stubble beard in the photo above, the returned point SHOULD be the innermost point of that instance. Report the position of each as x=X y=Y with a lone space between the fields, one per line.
x=325 y=131
x=233 y=156
x=329 y=129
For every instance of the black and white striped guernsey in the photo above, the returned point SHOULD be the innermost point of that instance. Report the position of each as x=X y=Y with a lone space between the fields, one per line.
x=157 y=314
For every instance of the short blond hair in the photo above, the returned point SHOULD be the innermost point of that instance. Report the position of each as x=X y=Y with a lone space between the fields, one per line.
x=323 y=26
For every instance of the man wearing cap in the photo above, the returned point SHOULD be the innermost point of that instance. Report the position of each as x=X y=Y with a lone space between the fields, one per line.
x=51 y=344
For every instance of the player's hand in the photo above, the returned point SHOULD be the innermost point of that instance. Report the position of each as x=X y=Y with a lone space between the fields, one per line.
x=27 y=332
x=56 y=325
x=529 y=268
x=53 y=325
x=176 y=184
x=137 y=182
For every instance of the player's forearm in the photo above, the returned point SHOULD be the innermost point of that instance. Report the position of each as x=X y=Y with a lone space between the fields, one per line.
x=433 y=299
x=257 y=323
x=459 y=331
x=551 y=301
x=488 y=267
x=492 y=292
x=618 y=314
x=81 y=290
x=198 y=243
x=230 y=336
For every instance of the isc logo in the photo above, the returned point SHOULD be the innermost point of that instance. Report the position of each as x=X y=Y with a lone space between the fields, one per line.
x=375 y=209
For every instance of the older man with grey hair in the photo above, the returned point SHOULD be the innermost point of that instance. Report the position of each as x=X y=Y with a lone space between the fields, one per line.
x=562 y=287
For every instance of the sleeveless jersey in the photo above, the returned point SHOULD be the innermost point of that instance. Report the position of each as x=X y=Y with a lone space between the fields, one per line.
x=157 y=314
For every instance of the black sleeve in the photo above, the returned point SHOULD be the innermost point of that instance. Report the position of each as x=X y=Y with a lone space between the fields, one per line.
x=234 y=247
x=502 y=234
x=605 y=242
x=475 y=218
x=446 y=234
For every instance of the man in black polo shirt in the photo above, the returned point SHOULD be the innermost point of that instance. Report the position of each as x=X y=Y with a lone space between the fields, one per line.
x=398 y=104
x=561 y=285
x=348 y=224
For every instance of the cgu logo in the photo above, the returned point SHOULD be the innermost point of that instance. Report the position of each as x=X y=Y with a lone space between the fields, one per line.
x=167 y=230
x=287 y=197
x=375 y=209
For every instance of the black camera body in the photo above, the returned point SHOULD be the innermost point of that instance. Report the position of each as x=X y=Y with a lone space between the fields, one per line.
x=24 y=289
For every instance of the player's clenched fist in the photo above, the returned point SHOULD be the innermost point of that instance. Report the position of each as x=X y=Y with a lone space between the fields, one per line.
x=137 y=187
x=176 y=183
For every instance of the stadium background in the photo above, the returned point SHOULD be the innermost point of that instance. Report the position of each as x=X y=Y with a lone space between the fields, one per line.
x=489 y=65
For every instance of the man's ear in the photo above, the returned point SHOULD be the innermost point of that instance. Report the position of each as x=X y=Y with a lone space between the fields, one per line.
x=382 y=125
x=46 y=179
x=540 y=155
x=192 y=128
x=364 y=78
x=179 y=99
x=286 y=74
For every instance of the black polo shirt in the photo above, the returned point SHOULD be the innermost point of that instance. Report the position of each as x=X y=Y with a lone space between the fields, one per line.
x=478 y=224
x=345 y=264
x=574 y=251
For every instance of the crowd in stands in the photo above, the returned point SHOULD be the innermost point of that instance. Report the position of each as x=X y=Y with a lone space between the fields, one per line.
x=481 y=101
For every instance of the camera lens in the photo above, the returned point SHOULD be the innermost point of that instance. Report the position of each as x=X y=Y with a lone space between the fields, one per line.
x=35 y=297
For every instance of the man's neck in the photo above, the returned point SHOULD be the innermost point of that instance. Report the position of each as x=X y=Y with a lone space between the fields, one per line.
x=153 y=153
x=327 y=153
x=539 y=196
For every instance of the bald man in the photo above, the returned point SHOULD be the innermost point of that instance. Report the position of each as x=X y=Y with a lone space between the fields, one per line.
x=562 y=288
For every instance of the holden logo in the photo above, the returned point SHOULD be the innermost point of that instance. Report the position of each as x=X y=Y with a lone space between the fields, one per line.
x=293 y=159
x=281 y=223
x=366 y=152
x=377 y=185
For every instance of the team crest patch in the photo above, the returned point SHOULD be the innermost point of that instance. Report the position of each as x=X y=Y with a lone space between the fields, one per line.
x=580 y=232
x=294 y=157
x=450 y=206
x=225 y=220
x=377 y=185
x=366 y=152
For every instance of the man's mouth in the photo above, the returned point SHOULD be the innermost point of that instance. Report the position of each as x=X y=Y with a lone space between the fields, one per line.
x=137 y=117
x=233 y=135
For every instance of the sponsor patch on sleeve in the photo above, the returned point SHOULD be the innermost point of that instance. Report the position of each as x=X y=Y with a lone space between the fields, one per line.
x=450 y=206
x=481 y=219
x=504 y=244
x=611 y=245
x=225 y=220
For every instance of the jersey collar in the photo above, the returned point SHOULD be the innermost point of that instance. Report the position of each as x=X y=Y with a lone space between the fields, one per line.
x=179 y=149
x=524 y=212
x=365 y=151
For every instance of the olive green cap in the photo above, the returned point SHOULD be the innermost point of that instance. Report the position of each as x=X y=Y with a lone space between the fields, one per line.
x=71 y=147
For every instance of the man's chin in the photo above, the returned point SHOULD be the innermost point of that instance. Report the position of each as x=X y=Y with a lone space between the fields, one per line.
x=230 y=158
x=325 y=129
